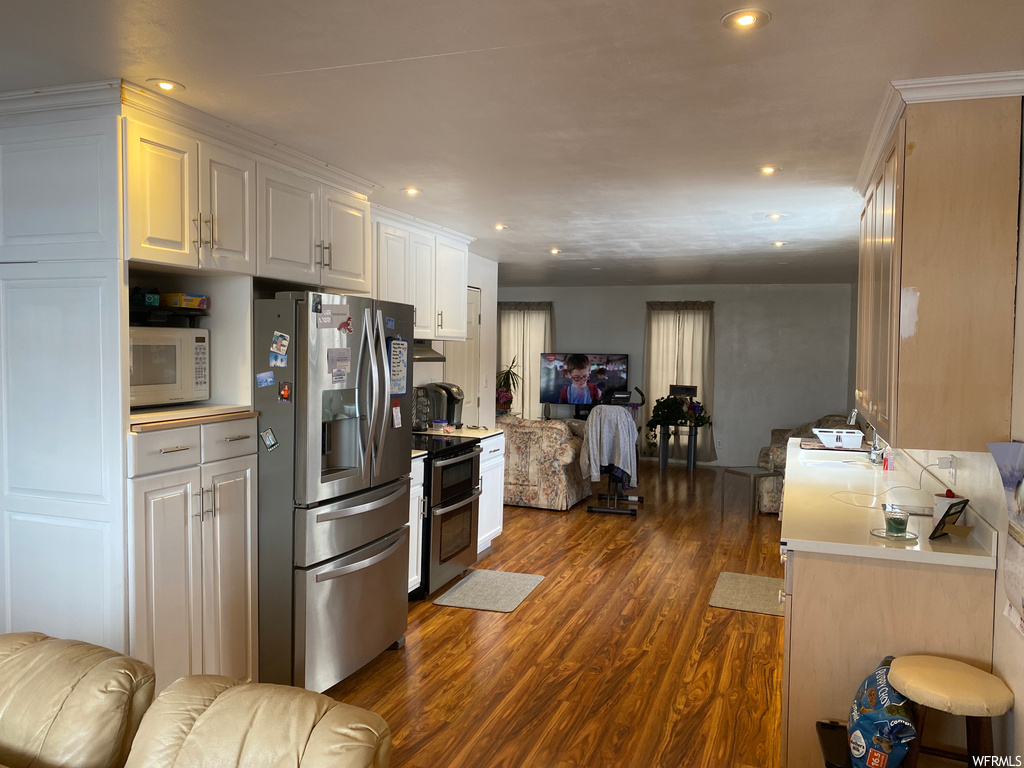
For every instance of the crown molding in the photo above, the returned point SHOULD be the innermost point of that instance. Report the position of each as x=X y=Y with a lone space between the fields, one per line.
x=77 y=96
x=150 y=102
x=983 y=86
x=899 y=93
x=387 y=215
x=888 y=116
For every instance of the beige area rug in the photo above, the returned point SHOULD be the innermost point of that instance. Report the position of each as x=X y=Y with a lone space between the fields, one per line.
x=741 y=592
x=486 y=590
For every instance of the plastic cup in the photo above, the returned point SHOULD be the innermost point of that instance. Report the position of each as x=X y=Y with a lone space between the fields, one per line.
x=896 y=522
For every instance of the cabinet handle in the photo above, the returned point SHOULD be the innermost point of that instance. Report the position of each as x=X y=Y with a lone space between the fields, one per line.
x=423 y=507
x=195 y=223
x=208 y=222
x=176 y=448
x=317 y=259
x=198 y=514
x=328 y=256
x=236 y=438
x=440 y=319
x=782 y=597
x=493 y=450
x=212 y=501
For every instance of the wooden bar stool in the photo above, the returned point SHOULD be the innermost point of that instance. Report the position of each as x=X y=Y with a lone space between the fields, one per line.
x=934 y=682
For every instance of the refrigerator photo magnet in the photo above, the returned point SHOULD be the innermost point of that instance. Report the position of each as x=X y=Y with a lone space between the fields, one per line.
x=284 y=392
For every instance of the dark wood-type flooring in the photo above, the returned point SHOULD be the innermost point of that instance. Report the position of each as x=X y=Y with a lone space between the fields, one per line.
x=615 y=659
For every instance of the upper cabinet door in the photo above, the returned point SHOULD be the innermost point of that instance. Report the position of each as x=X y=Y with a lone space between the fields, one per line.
x=423 y=280
x=227 y=206
x=452 y=276
x=289 y=225
x=346 y=241
x=394 y=265
x=163 y=196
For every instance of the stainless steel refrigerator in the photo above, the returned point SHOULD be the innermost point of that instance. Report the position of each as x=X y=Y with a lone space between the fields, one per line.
x=334 y=396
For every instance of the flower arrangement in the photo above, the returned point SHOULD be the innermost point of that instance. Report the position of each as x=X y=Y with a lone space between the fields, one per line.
x=675 y=412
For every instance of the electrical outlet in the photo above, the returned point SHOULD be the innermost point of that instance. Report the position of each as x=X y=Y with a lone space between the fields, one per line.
x=949 y=462
x=718 y=443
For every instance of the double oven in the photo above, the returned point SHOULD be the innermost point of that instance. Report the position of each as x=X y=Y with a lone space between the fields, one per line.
x=451 y=483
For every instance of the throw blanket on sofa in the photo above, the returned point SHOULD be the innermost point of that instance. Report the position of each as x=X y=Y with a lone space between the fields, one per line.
x=610 y=440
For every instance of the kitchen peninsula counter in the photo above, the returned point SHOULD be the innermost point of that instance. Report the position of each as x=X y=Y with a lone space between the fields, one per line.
x=851 y=598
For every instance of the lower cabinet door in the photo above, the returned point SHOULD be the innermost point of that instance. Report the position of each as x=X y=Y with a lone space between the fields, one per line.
x=492 y=496
x=166 y=573
x=229 y=567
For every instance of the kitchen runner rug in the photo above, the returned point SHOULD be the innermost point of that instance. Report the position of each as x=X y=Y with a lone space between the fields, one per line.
x=490 y=591
x=741 y=592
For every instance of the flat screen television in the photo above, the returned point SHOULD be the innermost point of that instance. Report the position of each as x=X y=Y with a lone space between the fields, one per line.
x=581 y=379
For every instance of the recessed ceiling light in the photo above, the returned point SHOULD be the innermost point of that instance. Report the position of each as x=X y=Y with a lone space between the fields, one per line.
x=746 y=18
x=596 y=269
x=166 y=85
x=768 y=170
x=411 y=191
x=779 y=243
x=775 y=216
x=554 y=251
x=499 y=226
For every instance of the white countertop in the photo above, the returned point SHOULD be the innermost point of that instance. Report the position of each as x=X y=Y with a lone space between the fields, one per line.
x=833 y=499
x=483 y=432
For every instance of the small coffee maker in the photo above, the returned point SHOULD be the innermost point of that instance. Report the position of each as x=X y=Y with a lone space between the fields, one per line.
x=455 y=395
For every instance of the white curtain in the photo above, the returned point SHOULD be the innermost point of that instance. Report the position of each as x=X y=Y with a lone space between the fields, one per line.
x=681 y=350
x=525 y=331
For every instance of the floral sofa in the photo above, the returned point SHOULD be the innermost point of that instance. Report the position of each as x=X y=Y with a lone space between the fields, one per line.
x=769 y=489
x=542 y=467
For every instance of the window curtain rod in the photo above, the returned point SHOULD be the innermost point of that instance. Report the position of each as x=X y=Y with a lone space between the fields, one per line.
x=526 y=306
x=679 y=306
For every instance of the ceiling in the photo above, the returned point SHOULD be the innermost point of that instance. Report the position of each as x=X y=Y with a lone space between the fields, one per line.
x=626 y=134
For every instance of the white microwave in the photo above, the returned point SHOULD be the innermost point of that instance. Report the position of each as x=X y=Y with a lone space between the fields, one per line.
x=168 y=365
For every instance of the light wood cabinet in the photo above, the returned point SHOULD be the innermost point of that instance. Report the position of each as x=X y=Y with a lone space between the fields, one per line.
x=190 y=203
x=312 y=233
x=937 y=277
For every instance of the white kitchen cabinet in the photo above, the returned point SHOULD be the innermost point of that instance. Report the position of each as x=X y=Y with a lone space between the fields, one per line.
x=312 y=233
x=417 y=512
x=424 y=272
x=394 y=264
x=193 y=574
x=190 y=203
x=452 y=268
x=492 y=486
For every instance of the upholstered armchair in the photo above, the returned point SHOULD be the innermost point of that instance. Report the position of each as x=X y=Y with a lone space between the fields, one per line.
x=542 y=467
x=769 y=489
x=67 y=703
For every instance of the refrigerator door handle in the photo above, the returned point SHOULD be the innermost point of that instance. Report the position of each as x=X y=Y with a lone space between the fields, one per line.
x=375 y=376
x=372 y=560
x=385 y=392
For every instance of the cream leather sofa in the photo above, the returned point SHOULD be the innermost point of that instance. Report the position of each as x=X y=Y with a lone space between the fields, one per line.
x=208 y=721
x=67 y=703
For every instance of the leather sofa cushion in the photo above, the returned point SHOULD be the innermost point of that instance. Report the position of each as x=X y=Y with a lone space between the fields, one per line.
x=68 y=703
x=210 y=721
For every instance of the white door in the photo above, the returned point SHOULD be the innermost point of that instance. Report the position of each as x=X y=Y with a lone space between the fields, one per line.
x=163 y=196
x=450 y=292
x=346 y=236
x=227 y=205
x=229 y=568
x=167 y=585
x=289 y=225
x=423 y=279
x=394 y=264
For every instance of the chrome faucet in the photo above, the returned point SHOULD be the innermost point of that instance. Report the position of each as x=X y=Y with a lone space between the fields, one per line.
x=876 y=452
x=852 y=420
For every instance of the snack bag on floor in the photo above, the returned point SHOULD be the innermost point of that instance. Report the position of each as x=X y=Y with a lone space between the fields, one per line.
x=880 y=727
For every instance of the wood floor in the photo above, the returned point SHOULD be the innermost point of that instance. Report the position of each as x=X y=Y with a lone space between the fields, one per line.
x=615 y=660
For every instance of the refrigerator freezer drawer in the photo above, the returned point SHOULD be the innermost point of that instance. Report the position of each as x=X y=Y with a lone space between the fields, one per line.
x=349 y=610
x=332 y=529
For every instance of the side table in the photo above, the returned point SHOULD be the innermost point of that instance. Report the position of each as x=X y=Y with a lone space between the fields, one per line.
x=752 y=474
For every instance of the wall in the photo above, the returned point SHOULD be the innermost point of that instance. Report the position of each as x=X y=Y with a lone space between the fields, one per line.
x=782 y=352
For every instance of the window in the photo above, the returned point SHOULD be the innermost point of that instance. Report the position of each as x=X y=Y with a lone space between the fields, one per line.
x=525 y=331
x=681 y=350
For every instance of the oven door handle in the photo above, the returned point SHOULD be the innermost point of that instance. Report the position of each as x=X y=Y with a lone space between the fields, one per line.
x=445 y=510
x=347 y=569
x=457 y=459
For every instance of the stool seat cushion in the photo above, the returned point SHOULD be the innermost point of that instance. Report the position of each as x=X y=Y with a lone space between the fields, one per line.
x=950 y=686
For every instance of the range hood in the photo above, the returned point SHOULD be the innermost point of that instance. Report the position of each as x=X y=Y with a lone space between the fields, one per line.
x=423 y=352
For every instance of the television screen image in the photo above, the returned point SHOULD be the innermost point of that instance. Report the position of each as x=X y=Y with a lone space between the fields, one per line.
x=581 y=379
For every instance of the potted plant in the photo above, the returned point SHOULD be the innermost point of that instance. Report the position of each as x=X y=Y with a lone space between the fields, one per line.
x=668 y=414
x=507 y=382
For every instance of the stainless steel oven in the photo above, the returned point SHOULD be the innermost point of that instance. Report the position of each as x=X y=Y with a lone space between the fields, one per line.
x=451 y=530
